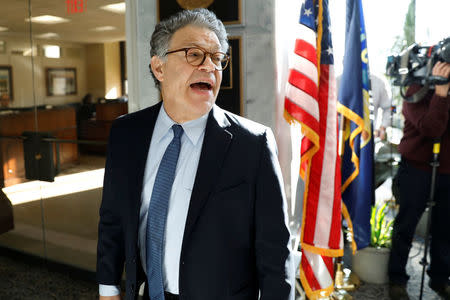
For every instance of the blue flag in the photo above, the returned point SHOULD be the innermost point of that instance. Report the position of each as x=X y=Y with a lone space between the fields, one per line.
x=357 y=159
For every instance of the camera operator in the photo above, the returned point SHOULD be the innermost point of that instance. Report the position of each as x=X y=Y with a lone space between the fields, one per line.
x=425 y=122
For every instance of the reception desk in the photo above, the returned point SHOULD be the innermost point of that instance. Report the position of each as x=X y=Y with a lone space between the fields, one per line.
x=58 y=121
x=97 y=128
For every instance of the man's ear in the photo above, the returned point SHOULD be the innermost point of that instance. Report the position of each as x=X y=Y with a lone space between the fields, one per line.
x=156 y=63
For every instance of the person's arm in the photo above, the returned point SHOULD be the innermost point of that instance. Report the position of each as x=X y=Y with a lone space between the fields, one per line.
x=381 y=132
x=273 y=254
x=431 y=119
x=110 y=248
x=385 y=105
x=382 y=99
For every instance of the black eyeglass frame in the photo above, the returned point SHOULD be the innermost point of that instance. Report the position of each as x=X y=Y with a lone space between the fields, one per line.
x=226 y=56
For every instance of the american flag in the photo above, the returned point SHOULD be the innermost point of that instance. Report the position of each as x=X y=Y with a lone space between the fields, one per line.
x=311 y=101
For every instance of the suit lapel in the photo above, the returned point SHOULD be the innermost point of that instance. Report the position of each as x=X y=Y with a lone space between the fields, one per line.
x=143 y=133
x=215 y=146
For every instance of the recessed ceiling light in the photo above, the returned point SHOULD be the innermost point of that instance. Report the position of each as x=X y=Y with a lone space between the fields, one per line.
x=118 y=8
x=3 y=28
x=104 y=28
x=47 y=19
x=48 y=35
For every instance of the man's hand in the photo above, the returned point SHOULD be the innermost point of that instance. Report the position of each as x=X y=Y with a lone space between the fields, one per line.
x=381 y=133
x=442 y=69
x=116 y=297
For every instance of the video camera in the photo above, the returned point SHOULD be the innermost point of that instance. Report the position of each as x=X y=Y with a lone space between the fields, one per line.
x=414 y=66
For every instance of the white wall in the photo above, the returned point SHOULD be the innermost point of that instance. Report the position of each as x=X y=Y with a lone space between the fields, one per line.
x=140 y=20
x=258 y=38
x=73 y=56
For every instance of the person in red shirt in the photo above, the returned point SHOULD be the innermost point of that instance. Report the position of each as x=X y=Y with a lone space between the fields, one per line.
x=425 y=122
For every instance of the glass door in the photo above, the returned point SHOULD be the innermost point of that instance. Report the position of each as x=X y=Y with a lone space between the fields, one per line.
x=21 y=205
x=68 y=90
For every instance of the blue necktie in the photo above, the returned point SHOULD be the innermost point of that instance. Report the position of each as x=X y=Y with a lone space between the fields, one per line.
x=157 y=214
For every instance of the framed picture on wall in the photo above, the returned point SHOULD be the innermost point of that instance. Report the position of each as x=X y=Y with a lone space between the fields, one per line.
x=6 y=86
x=230 y=95
x=229 y=11
x=61 y=81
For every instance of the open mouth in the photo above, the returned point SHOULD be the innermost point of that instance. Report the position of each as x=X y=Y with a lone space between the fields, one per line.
x=204 y=86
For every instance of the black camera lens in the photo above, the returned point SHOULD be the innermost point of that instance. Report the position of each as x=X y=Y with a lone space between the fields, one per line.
x=445 y=52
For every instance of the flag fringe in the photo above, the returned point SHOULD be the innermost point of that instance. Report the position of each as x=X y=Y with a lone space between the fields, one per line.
x=305 y=201
x=322 y=251
x=290 y=119
x=317 y=294
x=350 y=225
x=352 y=116
x=319 y=41
x=306 y=157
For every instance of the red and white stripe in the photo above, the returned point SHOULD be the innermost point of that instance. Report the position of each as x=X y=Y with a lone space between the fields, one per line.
x=311 y=101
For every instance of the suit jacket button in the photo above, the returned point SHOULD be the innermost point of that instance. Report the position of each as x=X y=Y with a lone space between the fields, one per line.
x=134 y=260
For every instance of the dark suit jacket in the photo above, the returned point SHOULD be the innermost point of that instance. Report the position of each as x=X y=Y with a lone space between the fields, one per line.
x=235 y=242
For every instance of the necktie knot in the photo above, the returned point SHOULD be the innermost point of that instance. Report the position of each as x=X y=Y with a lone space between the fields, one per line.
x=177 y=131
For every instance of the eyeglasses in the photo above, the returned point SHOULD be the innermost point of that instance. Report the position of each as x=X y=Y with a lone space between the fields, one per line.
x=197 y=56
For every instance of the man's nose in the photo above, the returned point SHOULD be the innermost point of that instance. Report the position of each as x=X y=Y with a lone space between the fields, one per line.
x=207 y=65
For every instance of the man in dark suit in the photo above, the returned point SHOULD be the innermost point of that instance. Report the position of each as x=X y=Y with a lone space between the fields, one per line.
x=193 y=202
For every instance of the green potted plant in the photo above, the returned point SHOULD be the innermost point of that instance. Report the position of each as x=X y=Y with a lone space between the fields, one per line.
x=371 y=263
x=381 y=228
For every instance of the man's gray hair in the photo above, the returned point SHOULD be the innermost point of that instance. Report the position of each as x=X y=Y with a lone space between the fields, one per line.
x=159 y=43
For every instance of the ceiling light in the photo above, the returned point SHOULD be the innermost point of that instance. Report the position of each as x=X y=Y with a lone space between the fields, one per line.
x=48 y=35
x=47 y=19
x=3 y=28
x=118 y=8
x=104 y=28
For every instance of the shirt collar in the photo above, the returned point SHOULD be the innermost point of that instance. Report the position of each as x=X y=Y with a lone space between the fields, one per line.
x=193 y=129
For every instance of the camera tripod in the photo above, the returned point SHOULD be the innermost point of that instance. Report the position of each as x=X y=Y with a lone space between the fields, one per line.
x=430 y=204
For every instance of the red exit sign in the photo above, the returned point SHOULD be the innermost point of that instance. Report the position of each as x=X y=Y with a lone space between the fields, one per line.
x=76 y=6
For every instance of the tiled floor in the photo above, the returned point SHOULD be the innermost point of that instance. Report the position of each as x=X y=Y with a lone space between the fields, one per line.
x=28 y=279
x=414 y=269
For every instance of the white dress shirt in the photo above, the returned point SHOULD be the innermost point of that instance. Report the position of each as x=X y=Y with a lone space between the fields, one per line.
x=191 y=146
x=381 y=99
